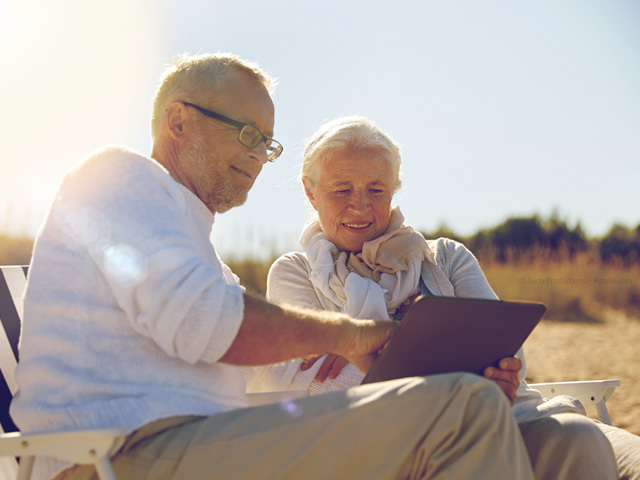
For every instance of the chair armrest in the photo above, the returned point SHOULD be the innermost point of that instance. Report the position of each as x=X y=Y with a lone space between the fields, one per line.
x=589 y=392
x=593 y=392
x=75 y=446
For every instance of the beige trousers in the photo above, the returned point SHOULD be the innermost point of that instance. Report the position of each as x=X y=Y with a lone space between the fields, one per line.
x=455 y=426
x=626 y=447
x=569 y=446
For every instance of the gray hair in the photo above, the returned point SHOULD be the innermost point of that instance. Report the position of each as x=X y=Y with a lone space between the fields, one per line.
x=191 y=74
x=356 y=133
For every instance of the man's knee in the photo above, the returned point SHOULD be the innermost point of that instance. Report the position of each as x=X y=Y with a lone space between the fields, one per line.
x=451 y=399
x=567 y=443
x=480 y=399
x=566 y=430
x=464 y=382
x=479 y=389
x=487 y=402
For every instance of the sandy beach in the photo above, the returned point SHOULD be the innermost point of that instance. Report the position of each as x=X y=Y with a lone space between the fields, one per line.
x=568 y=351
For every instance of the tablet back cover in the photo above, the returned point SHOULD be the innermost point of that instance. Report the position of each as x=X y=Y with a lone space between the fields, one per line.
x=443 y=335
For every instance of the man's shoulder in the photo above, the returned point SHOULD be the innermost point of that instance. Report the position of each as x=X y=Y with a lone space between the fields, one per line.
x=115 y=178
x=115 y=166
x=116 y=158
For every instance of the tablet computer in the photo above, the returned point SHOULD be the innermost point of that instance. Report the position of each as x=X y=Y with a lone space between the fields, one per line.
x=443 y=335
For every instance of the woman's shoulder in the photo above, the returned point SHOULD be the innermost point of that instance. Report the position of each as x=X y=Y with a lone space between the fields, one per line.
x=298 y=258
x=450 y=254
x=290 y=262
x=447 y=247
x=288 y=280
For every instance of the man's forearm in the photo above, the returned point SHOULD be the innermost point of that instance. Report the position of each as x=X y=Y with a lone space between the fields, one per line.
x=273 y=333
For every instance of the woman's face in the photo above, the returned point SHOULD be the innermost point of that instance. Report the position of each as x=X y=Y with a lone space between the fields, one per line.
x=353 y=197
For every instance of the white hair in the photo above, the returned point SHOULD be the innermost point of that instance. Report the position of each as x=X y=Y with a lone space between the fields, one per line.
x=189 y=75
x=356 y=133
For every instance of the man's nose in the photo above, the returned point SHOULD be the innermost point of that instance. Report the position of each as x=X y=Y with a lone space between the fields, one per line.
x=259 y=153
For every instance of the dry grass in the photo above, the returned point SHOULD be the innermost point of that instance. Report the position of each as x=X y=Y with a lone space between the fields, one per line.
x=573 y=289
x=591 y=330
x=15 y=250
x=252 y=273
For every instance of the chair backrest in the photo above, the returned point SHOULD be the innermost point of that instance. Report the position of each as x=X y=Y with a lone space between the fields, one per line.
x=12 y=283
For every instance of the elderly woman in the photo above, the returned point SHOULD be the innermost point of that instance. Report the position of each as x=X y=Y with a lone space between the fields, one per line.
x=362 y=259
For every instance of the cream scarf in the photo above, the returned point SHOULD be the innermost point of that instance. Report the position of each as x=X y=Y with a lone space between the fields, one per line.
x=374 y=282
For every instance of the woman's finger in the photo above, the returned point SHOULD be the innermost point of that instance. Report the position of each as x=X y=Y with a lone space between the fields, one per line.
x=337 y=367
x=513 y=364
x=307 y=362
x=510 y=376
x=508 y=389
x=326 y=366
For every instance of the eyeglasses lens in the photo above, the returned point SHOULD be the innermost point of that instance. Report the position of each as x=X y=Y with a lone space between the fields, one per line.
x=251 y=137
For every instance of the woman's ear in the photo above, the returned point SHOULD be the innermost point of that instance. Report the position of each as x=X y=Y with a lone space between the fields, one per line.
x=309 y=192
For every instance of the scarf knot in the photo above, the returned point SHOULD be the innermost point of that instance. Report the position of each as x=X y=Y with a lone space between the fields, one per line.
x=371 y=283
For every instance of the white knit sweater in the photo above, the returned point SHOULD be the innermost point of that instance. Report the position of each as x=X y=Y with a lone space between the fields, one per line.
x=128 y=307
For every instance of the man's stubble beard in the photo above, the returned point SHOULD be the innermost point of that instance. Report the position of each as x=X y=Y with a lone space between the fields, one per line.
x=218 y=194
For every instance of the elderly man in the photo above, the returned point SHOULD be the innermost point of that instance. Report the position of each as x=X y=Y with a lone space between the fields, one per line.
x=131 y=319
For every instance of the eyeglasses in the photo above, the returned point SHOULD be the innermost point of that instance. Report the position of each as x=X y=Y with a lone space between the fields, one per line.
x=248 y=135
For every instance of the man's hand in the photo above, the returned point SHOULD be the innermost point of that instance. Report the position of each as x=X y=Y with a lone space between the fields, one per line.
x=367 y=341
x=506 y=376
x=272 y=333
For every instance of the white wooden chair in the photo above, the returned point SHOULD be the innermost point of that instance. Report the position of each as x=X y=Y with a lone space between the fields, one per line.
x=78 y=446
x=93 y=446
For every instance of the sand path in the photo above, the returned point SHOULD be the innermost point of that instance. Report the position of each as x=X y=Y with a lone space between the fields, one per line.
x=566 y=351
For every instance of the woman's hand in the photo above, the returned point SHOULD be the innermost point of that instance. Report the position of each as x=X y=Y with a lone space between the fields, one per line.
x=330 y=368
x=506 y=376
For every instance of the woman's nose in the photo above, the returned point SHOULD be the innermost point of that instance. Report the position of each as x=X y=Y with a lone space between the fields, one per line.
x=360 y=202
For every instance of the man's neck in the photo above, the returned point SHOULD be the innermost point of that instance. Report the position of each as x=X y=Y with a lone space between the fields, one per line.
x=167 y=156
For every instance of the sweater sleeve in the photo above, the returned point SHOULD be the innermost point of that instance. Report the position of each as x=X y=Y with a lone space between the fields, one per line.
x=149 y=246
x=463 y=270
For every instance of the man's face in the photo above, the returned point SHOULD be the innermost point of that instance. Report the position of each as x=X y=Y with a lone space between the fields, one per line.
x=214 y=164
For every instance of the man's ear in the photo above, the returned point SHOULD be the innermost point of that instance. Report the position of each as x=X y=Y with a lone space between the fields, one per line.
x=309 y=193
x=175 y=120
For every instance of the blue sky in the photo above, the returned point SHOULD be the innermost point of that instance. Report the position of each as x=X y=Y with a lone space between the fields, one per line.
x=501 y=108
